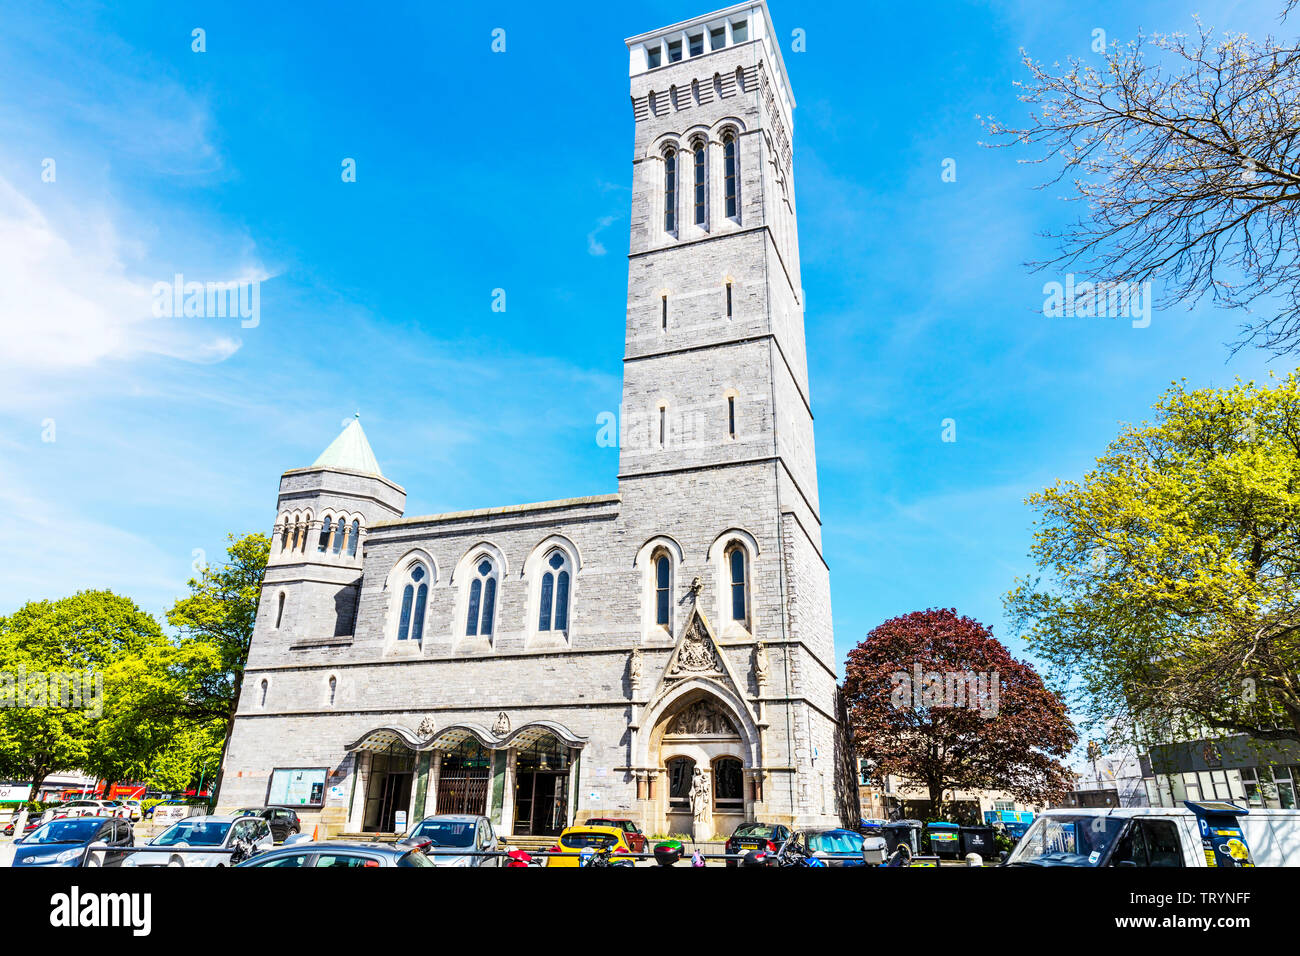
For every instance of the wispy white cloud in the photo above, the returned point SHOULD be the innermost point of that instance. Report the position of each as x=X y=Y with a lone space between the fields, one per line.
x=594 y=246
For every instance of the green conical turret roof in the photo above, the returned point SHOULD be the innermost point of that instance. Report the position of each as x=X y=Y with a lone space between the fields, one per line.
x=350 y=451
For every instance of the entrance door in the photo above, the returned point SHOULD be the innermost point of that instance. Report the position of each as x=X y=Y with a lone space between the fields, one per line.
x=395 y=795
x=388 y=788
x=541 y=802
x=464 y=779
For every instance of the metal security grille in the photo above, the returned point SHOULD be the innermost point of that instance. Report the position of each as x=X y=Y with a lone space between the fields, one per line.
x=464 y=790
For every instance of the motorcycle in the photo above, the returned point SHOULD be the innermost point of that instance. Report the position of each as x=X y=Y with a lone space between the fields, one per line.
x=789 y=854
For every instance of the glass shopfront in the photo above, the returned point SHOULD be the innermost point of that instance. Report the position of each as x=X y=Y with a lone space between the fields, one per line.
x=388 y=788
x=541 y=788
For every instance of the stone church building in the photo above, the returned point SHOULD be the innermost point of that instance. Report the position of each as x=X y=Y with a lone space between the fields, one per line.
x=602 y=656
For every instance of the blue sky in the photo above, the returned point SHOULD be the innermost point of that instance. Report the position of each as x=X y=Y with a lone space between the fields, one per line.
x=478 y=171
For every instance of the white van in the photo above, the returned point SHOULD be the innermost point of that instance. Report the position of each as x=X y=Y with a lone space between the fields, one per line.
x=1159 y=837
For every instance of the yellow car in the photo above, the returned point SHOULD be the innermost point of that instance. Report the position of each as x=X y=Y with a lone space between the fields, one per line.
x=575 y=840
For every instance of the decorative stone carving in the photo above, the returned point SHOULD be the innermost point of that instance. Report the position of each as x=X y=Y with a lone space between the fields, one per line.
x=760 y=664
x=634 y=668
x=702 y=717
x=426 y=727
x=502 y=726
x=696 y=655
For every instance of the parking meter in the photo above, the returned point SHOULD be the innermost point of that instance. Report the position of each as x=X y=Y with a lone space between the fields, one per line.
x=1222 y=838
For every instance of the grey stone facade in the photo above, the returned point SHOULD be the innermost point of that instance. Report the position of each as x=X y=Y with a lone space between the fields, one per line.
x=716 y=456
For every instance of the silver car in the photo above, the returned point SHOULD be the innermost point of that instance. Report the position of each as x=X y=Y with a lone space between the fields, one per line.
x=243 y=836
x=449 y=838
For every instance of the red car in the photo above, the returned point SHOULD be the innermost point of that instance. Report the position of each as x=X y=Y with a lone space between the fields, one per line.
x=631 y=832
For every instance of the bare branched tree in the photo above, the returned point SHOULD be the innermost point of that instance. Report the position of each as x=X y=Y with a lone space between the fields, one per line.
x=1185 y=149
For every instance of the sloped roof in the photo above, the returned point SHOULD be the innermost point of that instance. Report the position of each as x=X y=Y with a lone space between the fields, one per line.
x=350 y=451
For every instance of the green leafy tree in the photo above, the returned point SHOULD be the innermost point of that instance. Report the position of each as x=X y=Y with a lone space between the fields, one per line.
x=1169 y=580
x=82 y=641
x=219 y=614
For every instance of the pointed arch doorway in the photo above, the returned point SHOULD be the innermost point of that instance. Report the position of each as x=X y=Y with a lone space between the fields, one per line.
x=703 y=754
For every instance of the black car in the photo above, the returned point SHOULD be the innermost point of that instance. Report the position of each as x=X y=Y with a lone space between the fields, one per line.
x=757 y=836
x=63 y=842
x=284 y=823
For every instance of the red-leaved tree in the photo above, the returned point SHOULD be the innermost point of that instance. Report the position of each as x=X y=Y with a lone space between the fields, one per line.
x=935 y=699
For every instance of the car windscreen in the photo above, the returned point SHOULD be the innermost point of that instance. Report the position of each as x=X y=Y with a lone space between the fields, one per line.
x=835 y=841
x=195 y=833
x=1067 y=840
x=755 y=831
x=69 y=830
x=446 y=832
x=580 y=839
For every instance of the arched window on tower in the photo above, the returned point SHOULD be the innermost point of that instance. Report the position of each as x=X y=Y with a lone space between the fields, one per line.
x=334 y=687
x=415 y=597
x=279 y=611
x=738 y=573
x=700 y=149
x=553 y=608
x=326 y=526
x=670 y=191
x=265 y=686
x=729 y=170
x=482 y=599
x=663 y=588
x=340 y=529
x=353 y=537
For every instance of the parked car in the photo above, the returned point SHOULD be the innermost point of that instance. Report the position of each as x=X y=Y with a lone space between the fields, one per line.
x=283 y=821
x=1213 y=833
x=323 y=854
x=631 y=832
x=88 y=808
x=243 y=836
x=833 y=846
x=135 y=814
x=443 y=833
x=756 y=836
x=574 y=840
x=63 y=842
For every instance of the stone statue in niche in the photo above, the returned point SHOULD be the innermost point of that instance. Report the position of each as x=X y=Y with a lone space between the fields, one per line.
x=760 y=663
x=701 y=806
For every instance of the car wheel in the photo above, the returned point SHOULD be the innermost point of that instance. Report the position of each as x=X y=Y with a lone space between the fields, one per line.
x=176 y=861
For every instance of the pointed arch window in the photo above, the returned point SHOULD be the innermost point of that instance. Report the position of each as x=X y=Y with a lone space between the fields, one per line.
x=334 y=687
x=279 y=612
x=729 y=172
x=415 y=598
x=670 y=191
x=663 y=588
x=340 y=530
x=323 y=543
x=553 y=608
x=353 y=537
x=699 y=182
x=738 y=573
x=482 y=599
x=265 y=686
x=728 y=785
